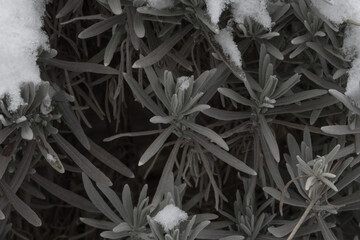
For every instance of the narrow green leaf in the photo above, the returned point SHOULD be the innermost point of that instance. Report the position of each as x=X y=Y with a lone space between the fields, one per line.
x=270 y=138
x=222 y=155
x=68 y=7
x=157 y=54
x=98 y=201
x=325 y=230
x=102 y=26
x=339 y=130
x=73 y=123
x=300 y=96
x=207 y=132
x=111 y=47
x=143 y=97
x=115 y=6
x=24 y=210
x=156 y=145
x=156 y=86
x=226 y=115
x=345 y=100
x=93 y=172
x=286 y=86
x=66 y=195
x=109 y=160
x=81 y=66
x=101 y=224
x=236 y=97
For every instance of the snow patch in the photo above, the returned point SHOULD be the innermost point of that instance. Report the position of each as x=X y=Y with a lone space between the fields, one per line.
x=215 y=8
x=339 y=11
x=20 y=38
x=241 y=9
x=254 y=9
x=170 y=217
x=229 y=47
x=161 y=4
x=353 y=84
x=183 y=82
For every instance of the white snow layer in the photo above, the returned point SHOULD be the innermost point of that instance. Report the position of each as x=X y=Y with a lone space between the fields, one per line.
x=353 y=84
x=20 y=38
x=254 y=9
x=229 y=47
x=170 y=217
x=215 y=8
x=338 y=11
x=352 y=49
x=161 y=4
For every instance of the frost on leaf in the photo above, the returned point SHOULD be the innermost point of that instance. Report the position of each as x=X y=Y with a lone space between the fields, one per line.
x=161 y=4
x=170 y=217
x=21 y=37
x=229 y=47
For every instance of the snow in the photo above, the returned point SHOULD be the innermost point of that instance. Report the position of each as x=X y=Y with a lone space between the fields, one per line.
x=170 y=217
x=215 y=8
x=20 y=38
x=254 y=9
x=351 y=47
x=241 y=9
x=161 y=4
x=183 y=82
x=339 y=11
x=229 y=47
x=353 y=84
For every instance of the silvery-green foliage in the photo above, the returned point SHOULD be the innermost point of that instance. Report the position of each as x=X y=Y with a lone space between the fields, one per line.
x=317 y=180
x=250 y=220
x=130 y=220
x=35 y=119
x=136 y=221
x=353 y=120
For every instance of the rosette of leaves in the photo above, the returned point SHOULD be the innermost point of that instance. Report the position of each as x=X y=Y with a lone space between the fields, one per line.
x=187 y=230
x=255 y=33
x=269 y=96
x=34 y=117
x=127 y=221
x=183 y=100
x=317 y=181
x=251 y=221
x=136 y=221
x=25 y=134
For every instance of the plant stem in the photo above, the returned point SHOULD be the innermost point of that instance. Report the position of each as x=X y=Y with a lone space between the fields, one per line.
x=302 y=219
